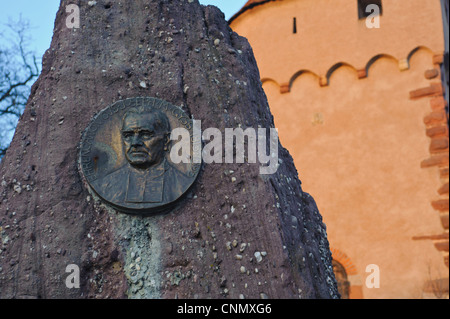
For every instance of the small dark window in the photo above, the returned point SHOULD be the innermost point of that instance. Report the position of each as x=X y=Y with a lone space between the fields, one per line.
x=295 y=25
x=363 y=4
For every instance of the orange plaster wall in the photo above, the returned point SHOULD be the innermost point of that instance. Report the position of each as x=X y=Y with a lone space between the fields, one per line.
x=358 y=143
x=362 y=165
x=329 y=32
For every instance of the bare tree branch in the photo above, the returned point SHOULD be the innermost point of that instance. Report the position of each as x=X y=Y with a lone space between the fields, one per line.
x=18 y=69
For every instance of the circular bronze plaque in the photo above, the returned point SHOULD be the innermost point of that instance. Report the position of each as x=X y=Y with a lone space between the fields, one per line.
x=125 y=155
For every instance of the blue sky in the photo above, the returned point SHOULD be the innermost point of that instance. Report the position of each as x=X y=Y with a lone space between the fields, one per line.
x=41 y=15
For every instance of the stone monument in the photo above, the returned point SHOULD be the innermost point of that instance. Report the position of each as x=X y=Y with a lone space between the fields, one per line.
x=89 y=195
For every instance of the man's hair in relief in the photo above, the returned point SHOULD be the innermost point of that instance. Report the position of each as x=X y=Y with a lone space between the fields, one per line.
x=160 y=119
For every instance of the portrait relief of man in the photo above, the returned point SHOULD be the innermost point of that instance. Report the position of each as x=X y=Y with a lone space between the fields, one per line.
x=147 y=177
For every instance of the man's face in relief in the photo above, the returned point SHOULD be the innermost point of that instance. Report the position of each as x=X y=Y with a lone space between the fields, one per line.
x=144 y=144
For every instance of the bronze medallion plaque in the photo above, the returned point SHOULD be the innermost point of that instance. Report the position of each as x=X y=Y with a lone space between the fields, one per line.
x=124 y=155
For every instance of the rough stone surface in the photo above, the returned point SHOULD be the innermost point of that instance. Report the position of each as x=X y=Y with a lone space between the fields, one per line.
x=186 y=54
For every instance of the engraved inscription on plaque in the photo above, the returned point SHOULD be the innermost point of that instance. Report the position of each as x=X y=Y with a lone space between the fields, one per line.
x=124 y=155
